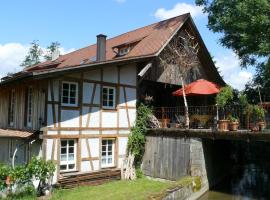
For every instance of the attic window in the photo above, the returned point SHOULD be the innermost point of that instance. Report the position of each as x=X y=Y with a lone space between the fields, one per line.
x=123 y=51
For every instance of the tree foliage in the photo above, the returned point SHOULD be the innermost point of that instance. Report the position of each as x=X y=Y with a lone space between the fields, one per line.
x=33 y=56
x=245 y=25
x=36 y=54
x=54 y=46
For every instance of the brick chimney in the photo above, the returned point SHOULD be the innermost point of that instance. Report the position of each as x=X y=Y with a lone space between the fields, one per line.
x=101 y=47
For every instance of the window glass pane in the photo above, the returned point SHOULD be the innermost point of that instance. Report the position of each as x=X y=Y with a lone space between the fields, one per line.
x=72 y=93
x=110 y=142
x=72 y=87
x=63 y=143
x=110 y=103
x=103 y=161
x=103 y=153
x=72 y=101
x=71 y=150
x=103 y=148
x=65 y=93
x=110 y=161
x=65 y=86
x=111 y=91
x=63 y=167
x=71 y=166
x=63 y=150
x=104 y=90
x=71 y=157
x=71 y=142
x=109 y=148
x=63 y=157
x=65 y=99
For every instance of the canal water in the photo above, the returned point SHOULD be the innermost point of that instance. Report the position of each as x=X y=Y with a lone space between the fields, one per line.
x=245 y=183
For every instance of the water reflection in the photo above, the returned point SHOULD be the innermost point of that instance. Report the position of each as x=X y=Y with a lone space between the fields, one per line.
x=246 y=183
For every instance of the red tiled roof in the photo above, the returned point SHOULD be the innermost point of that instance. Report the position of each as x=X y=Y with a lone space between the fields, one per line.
x=149 y=41
x=15 y=133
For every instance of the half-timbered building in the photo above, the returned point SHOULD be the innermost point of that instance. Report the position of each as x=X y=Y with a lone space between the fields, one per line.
x=78 y=109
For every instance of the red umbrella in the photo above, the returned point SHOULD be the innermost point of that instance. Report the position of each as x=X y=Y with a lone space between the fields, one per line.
x=199 y=87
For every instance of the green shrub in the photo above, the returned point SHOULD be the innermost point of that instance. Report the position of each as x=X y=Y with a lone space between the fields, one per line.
x=136 y=139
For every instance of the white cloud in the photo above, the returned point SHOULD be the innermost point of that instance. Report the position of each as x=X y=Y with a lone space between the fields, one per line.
x=12 y=55
x=229 y=65
x=178 y=9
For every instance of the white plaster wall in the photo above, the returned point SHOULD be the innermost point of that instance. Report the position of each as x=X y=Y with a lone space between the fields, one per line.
x=84 y=151
x=109 y=119
x=124 y=131
x=130 y=95
x=93 y=75
x=109 y=132
x=69 y=132
x=94 y=117
x=120 y=162
x=88 y=132
x=70 y=118
x=85 y=166
x=52 y=132
x=94 y=146
x=128 y=75
x=110 y=74
x=49 y=149
x=123 y=120
x=122 y=145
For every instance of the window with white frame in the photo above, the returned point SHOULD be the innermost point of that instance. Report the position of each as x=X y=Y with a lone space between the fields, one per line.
x=68 y=155
x=108 y=97
x=107 y=154
x=69 y=93
x=123 y=51
x=11 y=108
x=29 y=107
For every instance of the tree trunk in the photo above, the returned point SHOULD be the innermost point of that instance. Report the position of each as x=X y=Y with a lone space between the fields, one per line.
x=185 y=103
x=128 y=171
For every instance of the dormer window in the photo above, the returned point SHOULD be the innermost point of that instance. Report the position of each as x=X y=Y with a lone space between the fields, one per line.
x=123 y=51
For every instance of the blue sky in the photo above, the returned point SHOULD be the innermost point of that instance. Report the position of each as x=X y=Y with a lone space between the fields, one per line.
x=75 y=24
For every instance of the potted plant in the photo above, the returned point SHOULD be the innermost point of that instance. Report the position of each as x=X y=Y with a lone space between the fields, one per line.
x=259 y=113
x=222 y=99
x=233 y=123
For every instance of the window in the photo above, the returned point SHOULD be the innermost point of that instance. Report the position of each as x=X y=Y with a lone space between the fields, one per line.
x=11 y=108
x=68 y=155
x=107 y=157
x=123 y=51
x=69 y=94
x=108 y=97
x=29 y=109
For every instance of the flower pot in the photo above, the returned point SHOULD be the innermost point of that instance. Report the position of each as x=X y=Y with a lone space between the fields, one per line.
x=261 y=126
x=233 y=126
x=223 y=125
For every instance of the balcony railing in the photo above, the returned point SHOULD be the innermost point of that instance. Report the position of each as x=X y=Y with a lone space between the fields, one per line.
x=201 y=117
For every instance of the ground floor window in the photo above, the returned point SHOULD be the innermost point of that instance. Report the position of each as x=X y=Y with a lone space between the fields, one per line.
x=68 y=155
x=107 y=157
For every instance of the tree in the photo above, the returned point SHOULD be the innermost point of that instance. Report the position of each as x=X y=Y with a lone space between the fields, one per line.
x=245 y=25
x=181 y=53
x=257 y=90
x=54 y=46
x=33 y=56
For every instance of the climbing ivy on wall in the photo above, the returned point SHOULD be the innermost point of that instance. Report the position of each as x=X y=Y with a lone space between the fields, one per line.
x=136 y=140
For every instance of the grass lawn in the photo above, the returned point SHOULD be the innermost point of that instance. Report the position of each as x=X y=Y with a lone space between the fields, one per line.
x=138 y=189
x=141 y=188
